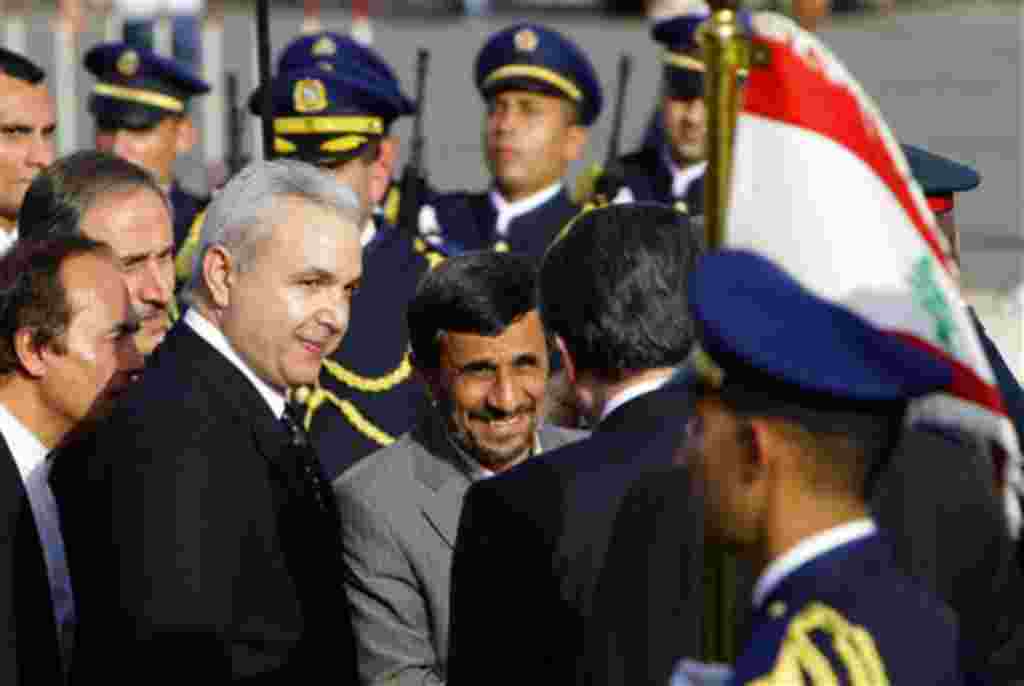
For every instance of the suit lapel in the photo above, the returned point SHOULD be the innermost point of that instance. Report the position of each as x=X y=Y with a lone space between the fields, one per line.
x=445 y=480
x=230 y=389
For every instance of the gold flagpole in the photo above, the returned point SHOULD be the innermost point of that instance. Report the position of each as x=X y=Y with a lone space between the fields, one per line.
x=726 y=51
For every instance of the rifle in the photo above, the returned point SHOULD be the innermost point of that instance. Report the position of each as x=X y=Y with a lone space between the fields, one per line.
x=235 y=127
x=413 y=185
x=266 y=95
x=614 y=176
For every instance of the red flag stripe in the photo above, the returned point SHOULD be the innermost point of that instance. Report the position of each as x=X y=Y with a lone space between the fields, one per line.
x=797 y=91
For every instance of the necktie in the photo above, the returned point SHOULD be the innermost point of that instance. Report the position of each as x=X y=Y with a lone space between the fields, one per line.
x=308 y=463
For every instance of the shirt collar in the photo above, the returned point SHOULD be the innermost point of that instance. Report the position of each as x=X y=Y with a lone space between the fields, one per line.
x=682 y=177
x=28 y=450
x=7 y=239
x=215 y=337
x=369 y=232
x=629 y=393
x=808 y=549
x=508 y=211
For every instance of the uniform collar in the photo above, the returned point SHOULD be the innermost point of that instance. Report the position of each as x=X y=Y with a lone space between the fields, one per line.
x=808 y=549
x=682 y=177
x=509 y=211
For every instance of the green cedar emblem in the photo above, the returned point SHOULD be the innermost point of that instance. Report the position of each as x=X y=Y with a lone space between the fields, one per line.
x=931 y=299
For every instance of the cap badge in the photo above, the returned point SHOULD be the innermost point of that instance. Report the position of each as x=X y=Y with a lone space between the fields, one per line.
x=525 y=40
x=310 y=96
x=128 y=63
x=325 y=47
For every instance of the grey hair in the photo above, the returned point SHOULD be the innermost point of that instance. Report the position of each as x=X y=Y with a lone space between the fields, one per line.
x=242 y=213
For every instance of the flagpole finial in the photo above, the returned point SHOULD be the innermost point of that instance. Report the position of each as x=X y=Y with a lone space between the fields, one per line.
x=726 y=51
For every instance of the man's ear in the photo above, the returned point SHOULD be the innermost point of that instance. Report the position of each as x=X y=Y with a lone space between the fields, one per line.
x=763 y=449
x=568 y=363
x=381 y=169
x=218 y=275
x=187 y=136
x=31 y=356
x=575 y=142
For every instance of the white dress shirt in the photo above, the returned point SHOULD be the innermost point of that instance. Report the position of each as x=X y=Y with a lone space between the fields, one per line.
x=7 y=239
x=683 y=177
x=30 y=457
x=808 y=549
x=508 y=211
x=212 y=335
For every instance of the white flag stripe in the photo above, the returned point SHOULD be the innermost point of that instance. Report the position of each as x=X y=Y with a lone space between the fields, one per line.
x=858 y=257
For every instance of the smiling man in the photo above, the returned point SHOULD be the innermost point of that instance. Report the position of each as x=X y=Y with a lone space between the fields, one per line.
x=221 y=542
x=479 y=345
x=111 y=200
x=541 y=94
x=27 y=125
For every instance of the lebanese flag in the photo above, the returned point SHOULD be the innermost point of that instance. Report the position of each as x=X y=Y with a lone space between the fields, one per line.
x=821 y=187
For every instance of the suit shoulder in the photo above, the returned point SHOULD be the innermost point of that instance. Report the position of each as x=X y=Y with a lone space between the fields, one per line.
x=379 y=469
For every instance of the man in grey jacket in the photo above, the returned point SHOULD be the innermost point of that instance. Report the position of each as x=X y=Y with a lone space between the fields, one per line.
x=479 y=345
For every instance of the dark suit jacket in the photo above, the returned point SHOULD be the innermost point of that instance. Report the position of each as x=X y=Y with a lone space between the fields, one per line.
x=936 y=503
x=209 y=560
x=534 y=546
x=29 y=652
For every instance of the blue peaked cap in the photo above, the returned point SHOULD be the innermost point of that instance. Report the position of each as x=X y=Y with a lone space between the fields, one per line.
x=534 y=57
x=761 y=327
x=136 y=88
x=939 y=175
x=334 y=52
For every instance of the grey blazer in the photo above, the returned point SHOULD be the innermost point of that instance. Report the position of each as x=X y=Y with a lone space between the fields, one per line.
x=400 y=510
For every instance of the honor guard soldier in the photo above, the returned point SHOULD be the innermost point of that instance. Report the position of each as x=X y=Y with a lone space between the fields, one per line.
x=541 y=94
x=335 y=109
x=669 y=169
x=784 y=453
x=331 y=51
x=141 y=106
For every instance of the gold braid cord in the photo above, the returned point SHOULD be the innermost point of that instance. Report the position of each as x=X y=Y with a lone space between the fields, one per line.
x=351 y=414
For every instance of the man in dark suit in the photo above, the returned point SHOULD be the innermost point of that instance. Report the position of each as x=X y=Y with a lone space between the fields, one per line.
x=215 y=538
x=66 y=351
x=532 y=541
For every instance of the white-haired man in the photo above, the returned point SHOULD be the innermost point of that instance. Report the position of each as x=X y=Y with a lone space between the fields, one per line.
x=215 y=541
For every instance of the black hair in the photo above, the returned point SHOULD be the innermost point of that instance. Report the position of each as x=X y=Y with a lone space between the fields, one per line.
x=33 y=296
x=613 y=287
x=19 y=67
x=477 y=292
x=60 y=195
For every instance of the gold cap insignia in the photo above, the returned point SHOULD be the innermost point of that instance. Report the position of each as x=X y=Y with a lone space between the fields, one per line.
x=325 y=47
x=310 y=96
x=525 y=40
x=128 y=63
